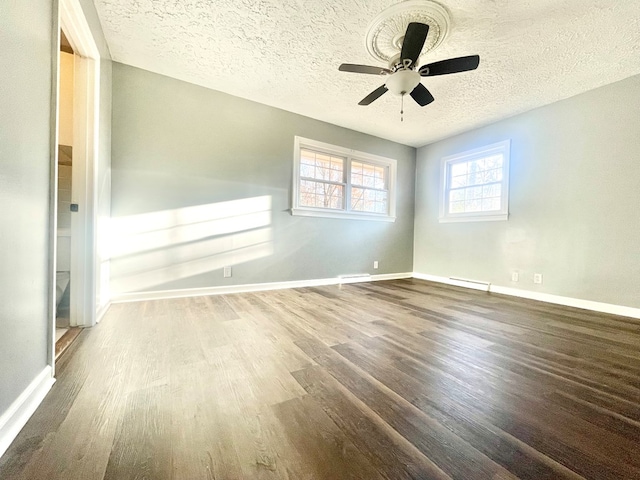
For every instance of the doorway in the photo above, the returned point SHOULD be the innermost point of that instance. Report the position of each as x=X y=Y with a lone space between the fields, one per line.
x=73 y=179
x=64 y=185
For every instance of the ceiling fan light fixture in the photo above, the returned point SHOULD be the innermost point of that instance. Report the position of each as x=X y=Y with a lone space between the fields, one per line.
x=403 y=81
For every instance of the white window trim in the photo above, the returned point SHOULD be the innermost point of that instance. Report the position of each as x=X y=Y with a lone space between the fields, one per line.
x=504 y=148
x=351 y=155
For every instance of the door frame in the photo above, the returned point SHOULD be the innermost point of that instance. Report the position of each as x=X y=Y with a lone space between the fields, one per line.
x=72 y=21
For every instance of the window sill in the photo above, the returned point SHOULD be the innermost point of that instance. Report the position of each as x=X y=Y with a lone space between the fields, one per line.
x=475 y=218
x=307 y=212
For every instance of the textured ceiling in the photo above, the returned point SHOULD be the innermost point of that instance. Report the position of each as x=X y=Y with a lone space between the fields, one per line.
x=286 y=53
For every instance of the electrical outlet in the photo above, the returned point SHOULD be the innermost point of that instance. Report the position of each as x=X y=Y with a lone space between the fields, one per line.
x=227 y=272
x=537 y=278
x=514 y=276
x=375 y=264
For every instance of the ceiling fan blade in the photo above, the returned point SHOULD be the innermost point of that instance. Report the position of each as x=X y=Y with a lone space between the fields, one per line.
x=350 y=67
x=453 y=65
x=377 y=93
x=413 y=42
x=421 y=95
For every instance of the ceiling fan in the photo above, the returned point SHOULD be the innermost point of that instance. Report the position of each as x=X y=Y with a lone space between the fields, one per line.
x=403 y=74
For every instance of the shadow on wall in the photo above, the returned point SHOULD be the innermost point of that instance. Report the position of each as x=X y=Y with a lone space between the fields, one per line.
x=154 y=248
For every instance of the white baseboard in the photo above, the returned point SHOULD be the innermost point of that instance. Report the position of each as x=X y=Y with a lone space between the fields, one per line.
x=20 y=411
x=390 y=276
x=101 y=311
x=253 y=287
x=542 y=297
x=458 y=282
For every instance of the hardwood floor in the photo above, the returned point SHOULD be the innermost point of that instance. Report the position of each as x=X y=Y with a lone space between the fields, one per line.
x=393 y=380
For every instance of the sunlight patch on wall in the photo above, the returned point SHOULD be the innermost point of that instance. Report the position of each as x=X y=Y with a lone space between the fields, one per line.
x=155 y=248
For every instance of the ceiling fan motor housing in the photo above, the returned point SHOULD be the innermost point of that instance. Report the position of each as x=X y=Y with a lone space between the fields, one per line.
x=403 y=81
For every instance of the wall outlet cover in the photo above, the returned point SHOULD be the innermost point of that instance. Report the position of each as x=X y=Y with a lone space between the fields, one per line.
x=537 y=278
x=515 y=276
x=227 y=272
x=375 y=264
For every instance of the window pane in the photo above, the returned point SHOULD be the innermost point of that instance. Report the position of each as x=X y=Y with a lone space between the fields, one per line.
x=494 y=175
x=476 y=165
x=321 y=195
x=458 y=169
x=459 y=181
x=336 y=202
x=494 y=161
x=336 y=175
x=473 y=192
x=306 y=170
x=321 y=166
x=456 y=207
x=366 y=200
x=476 y=172
x=473 y=205
x=307 y=157
x=323 y=160
x=368 y=175
x=475 y=199
x=356 y=197
x=322 y=173
x=476 y=178
x=456 y=195
x=368 y=181
x=494 y=190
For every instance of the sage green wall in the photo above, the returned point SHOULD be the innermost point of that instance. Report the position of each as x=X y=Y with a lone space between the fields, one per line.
x=103 y=194
x=177 y=145
x=28 y=46
x=25 y=97
x=574 y=201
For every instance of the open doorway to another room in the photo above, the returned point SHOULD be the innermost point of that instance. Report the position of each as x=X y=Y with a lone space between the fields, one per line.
x=64 y=333
x=74 y=179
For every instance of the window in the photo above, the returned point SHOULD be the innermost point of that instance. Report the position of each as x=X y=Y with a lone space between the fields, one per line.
x=475 y=184
x=330 y=181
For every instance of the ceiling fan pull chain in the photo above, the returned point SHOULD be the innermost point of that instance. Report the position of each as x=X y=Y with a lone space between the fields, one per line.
x=402 y=108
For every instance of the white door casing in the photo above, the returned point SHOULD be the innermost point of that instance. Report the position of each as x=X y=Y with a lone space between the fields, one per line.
x=85 y=155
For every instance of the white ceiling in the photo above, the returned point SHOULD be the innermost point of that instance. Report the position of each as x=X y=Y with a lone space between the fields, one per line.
x=286 y=53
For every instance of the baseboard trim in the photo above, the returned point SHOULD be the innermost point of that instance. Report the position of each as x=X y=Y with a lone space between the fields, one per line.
x=542 y=297
x=20 y=411
x=458 y=282
x=102 y=311
x=252 y=287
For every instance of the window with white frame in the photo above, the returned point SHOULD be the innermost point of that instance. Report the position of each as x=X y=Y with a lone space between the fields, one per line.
x=475 y=184
x=332 y=181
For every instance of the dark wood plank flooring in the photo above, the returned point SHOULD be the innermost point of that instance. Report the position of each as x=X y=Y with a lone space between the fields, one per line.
x=390 y=380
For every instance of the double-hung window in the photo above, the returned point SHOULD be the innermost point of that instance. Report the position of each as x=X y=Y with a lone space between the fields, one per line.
x=475 y=184
x=331 y=181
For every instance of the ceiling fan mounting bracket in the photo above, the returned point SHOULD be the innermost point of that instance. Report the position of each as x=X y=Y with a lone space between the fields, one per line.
x=386 y=31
